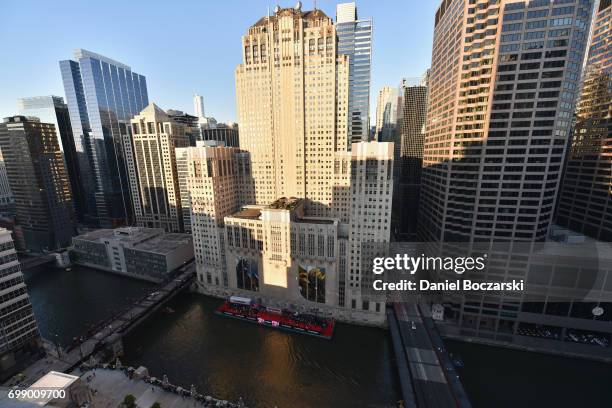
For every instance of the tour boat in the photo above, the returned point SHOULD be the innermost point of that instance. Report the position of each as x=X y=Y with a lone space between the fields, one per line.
x=245 y=309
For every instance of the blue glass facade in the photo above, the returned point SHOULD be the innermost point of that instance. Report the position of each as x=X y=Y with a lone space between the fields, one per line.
x=102 y=96
x=355 y=40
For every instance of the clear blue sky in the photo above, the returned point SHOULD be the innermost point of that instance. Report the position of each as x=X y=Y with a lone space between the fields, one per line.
x=182 y=47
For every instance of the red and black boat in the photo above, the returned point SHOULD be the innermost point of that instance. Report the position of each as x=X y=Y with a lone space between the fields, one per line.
x=244 y=308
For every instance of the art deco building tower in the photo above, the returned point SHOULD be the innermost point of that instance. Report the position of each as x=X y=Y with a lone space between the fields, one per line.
x=585 y=204
x=152 y=169
x=292 y=92
x=287 y=217
x=502 y=90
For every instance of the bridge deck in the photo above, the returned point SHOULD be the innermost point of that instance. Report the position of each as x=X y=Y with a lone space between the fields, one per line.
x=433 y=380
x=119 y=324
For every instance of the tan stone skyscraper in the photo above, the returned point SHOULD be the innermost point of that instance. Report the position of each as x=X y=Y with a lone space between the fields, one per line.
x=287 y=220
x=292 y=93
x=152 y=170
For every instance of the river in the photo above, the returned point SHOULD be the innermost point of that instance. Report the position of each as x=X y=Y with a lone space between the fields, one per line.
x=222 y=357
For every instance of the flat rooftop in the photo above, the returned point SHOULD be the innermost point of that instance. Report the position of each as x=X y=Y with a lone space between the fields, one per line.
x=145 y=239
x=164 y=243
x=248 y=213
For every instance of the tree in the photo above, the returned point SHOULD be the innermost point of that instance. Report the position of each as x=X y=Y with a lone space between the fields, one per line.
x=156 y=405
x=129 y=401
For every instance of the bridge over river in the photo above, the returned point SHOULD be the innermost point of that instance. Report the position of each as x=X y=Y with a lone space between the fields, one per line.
x=109 y=333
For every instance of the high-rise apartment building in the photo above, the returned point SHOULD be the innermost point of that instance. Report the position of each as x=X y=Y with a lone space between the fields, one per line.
x=52 y=109
x=408 y=155
x=102 y=95
x=585 y=203
x=19 y=336
x=292 y=92
x=39 y=182
x=386 y=113
x=502 y=91
x=152 y=169
x=355 y=41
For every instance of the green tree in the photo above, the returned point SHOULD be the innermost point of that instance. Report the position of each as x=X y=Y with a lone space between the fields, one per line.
x=156 y=405
x=129 y=401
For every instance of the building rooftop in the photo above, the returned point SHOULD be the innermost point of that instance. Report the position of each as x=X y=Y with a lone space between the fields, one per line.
x=285 y=203
x=145 y=239
x=248 y=213
x=165 y=243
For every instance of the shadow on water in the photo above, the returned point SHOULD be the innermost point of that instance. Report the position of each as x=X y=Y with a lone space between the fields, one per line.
x=232 y=359
x=500 y=377
x=68 y=303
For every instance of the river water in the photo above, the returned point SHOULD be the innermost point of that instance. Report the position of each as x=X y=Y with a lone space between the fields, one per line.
x=503 y=378
x=231 y=359
x=221 y=357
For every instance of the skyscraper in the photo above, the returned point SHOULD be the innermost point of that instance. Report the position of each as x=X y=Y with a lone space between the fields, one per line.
x=585 y=203
x=6 y=197
x=292 y=106
x=52 y=109
x=39 y=182
x=152 y=169
x=410 y=134
x=502 y=90
x=19 y=337
x=198 y=106
x=102 y=96
x=386 y=113
x=355 y=41
x=315 y=207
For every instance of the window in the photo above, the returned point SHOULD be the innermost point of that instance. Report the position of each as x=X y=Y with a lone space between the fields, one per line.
x=535 y=24
x=560 y=21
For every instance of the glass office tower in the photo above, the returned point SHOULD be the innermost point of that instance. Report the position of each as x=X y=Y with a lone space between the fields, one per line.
x=52 y=109
x=355 y=40
x=102 y=96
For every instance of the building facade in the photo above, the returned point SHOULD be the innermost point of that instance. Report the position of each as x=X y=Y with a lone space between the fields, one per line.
x=292 y=105
x=39 y=183
x=152 y=169
x=386 y=113
x=192 y=130
x=219 y=181
x=143 y=253
x=409 y=140
x=220 y=132
x=102 y=96
x=585 y=204
x=355 y=41
x=502 y=90
x=52 y=109
x=6 y=197
x=19 y=336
